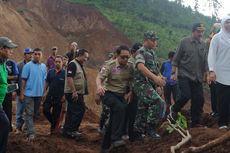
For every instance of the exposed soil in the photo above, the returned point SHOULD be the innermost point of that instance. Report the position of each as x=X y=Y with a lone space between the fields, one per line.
x=44 y=23
x=91 y=141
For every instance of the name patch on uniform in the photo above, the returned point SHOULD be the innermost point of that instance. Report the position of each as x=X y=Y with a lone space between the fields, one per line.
x=116 y=70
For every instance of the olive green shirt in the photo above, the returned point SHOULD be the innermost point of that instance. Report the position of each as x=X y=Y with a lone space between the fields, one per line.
x=117 y=77
x=191 y=59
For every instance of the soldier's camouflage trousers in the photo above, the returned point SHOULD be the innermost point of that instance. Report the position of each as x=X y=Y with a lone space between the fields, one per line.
x=104 y=118
x=151 y=107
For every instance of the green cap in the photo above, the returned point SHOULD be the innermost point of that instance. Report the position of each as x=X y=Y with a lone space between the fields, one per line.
x=6 y=42
x=151 y=35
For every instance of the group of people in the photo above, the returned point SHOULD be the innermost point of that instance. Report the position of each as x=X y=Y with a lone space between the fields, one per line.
x=134 y=90
x=51 y=84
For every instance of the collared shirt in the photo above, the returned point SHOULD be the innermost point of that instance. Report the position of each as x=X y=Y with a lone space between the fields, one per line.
x=35 y=75
x=117 y=77
x=56 y=82
x=191 y=59
x=50 y=62
x=149 y=59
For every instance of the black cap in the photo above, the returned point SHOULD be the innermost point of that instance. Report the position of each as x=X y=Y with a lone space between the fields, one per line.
x=198 y=26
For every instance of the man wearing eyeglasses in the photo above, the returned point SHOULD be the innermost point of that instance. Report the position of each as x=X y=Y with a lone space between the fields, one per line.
x=114 y=87
x=6 y=47
x=32 y=89
x=151 y=107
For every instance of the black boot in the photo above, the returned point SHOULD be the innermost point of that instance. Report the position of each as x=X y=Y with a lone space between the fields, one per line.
x=152 y=133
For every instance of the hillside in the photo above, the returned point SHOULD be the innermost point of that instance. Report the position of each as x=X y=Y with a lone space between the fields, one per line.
x=43 y=23
x=169 y=19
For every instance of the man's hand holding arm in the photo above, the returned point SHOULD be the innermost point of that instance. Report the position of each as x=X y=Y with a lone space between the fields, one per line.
x=145 y=71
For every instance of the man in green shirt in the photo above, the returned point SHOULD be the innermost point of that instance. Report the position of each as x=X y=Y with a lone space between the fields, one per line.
x=6 y=46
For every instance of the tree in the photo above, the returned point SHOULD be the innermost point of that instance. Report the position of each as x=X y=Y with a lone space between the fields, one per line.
x=215 y=5
x=196 y=7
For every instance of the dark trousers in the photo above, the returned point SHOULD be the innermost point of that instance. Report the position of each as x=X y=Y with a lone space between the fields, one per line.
x=131 y=116
x=52 y=110
x=4 y=130
x=115 y=129
x=213 y=97
x=75 y=113
x=190 y=90
x=7 y=107
x=223 y=95
x=168 y=91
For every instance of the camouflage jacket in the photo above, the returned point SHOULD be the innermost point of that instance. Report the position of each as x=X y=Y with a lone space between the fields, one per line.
x=149 y=59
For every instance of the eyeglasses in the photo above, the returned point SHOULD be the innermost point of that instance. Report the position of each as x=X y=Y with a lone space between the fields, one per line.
x=124 y=57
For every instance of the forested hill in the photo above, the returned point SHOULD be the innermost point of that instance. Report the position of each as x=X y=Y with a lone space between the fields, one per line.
x=171 y=20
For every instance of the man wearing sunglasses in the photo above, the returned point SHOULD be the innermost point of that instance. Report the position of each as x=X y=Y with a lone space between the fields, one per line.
x=151 y=107
x=6 y=47
x=113 y=85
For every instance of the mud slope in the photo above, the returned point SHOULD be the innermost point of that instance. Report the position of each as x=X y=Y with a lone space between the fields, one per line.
x=57 y=22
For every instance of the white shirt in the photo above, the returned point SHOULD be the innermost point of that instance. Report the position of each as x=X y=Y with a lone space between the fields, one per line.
x=219 y=59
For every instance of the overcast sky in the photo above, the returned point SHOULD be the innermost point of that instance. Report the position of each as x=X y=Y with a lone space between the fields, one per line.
x=204 y=7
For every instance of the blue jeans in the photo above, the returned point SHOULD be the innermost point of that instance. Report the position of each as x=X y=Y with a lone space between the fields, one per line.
x=31 y=107
x=20 y=108
x=4 y=130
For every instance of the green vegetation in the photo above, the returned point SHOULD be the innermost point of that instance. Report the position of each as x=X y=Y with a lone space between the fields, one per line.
x=170 y=20
x=180 y=123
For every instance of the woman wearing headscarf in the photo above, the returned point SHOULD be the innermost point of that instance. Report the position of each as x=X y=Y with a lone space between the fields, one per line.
x=219 y=70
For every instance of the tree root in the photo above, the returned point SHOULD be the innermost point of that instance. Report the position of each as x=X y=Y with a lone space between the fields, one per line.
x=209 y=145
x=186 y=137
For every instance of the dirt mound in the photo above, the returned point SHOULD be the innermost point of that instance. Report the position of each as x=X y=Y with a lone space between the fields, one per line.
x=44 y=23
x=91 y=141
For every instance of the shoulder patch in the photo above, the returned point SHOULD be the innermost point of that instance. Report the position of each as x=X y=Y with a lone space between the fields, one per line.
x=111 y=62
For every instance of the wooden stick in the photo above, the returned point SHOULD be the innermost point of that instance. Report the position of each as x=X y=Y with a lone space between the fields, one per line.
x=183 y=142
x=209 y=145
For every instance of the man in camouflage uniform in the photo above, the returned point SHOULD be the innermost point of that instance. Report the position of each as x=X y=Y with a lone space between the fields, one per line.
x=151 y=107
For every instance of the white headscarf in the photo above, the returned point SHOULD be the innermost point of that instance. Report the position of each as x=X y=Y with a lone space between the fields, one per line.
x=224 y=34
